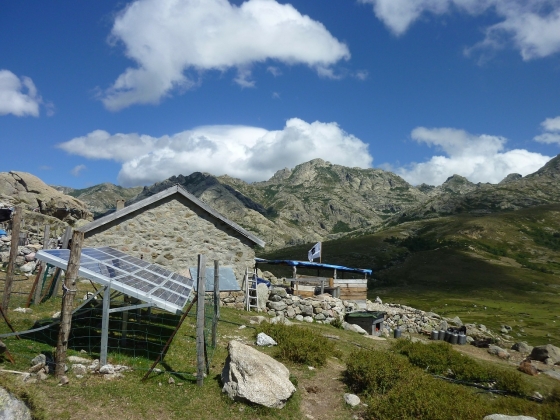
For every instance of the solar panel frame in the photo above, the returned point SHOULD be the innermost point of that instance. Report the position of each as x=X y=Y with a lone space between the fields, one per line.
x=127 y=274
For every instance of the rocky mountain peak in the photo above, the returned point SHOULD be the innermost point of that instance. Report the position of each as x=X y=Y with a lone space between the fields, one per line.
x=457 y=184
x=551 y=169
x=511 y=178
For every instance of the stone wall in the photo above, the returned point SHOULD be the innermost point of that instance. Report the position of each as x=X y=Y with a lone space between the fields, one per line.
x=172 y=232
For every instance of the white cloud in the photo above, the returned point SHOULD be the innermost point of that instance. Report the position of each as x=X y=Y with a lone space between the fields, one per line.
x=168 y=39
x=551 y=126
x=77 y=170
x=479 y=158
x=18 y=96
x=249 y=153
x=533 y=27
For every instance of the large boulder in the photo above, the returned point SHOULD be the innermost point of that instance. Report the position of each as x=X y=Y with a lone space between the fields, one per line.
x=11 y=408
x=548 y=351
x=250 y=375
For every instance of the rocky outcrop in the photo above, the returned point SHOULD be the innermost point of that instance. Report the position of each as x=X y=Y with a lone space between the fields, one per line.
x=101 y=199
x=250 y=375
x=21 y=188
x=548 y=354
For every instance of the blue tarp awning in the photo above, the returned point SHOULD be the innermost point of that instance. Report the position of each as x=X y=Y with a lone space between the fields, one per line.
x=307 y=264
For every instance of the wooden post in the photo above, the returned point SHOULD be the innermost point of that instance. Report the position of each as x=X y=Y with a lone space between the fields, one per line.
x=16 y=220
x=200 y=351
x=38 y=289
x=105 y=325
x=216 y=302
x=68 y=302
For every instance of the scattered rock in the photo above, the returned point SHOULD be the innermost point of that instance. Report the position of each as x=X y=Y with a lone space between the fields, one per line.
x=377 y=300
x=24 y=310
x=42 y=376
x=352 y=400
x=257 y=319
x=548 y=351
x=308 y=319
x=107 y=369
x=256 y=377
x=171 y=381
x=498 y=351
x=353 y=327
x=527 y=367
x=522 y=347
x=265 y=340
x=56 y=315
x=242 y=327
x=12 y=408
x=505 y=417
x=64 y=380
x=40 y=358
x=78 y=359
x=79 y=369
x=457 y=321
x=36 y=368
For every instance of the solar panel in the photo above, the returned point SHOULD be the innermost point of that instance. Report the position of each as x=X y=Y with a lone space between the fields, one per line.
x=127 y=274
x=228 y=281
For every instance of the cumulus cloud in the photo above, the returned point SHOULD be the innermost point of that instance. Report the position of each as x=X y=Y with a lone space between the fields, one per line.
x=172 y=41
x=249 y=153
x=18 y=96
x=77 y=170
x=551 y=128
x=533 y=27
x=480 y=158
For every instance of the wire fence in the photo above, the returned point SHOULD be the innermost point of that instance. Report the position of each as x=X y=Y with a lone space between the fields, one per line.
x=136 y=337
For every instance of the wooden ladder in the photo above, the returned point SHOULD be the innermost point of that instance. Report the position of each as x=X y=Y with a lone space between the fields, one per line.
x=251 y=296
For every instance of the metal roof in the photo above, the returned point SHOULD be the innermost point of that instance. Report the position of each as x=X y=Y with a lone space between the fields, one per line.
x=133 y=276
x=307 y=264
x=176 y=189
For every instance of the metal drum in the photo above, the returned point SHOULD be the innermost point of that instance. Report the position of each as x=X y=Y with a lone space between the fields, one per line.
x=434 y=335
x=454 y=338
x=462 y=339
x=397 y=333
x=447 y=336
x=441 y=335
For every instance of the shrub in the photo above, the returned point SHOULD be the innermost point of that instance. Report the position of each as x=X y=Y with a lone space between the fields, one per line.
x=374 y=372
x=299 y=345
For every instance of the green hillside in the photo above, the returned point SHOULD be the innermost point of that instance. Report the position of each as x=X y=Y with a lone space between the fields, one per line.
x=493 y=269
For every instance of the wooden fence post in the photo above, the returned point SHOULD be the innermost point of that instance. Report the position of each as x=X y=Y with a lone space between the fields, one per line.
x=38 y=289
x=69 y=288
x=216 y=302
x=200 y=350
x=16 y=220
x=65 y=240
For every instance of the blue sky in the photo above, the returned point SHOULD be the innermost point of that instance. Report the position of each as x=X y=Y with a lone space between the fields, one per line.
x=134 y=92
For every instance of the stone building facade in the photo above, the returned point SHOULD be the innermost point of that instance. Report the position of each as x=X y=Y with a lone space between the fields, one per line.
x=171 y=228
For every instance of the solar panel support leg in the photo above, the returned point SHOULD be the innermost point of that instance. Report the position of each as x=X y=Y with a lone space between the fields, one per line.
x=105 y=325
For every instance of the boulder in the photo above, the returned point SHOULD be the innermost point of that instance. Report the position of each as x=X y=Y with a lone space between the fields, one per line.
x=352 y=400
x=522 y=347
x=548 y=351
x=277 y=306
x=527 y=367
x=505 y=417
x=353 y=327
x=250 y=375
x=262 y=296
x=12 y=408
x=498 y=351
x=265 y=340
x=279 y=291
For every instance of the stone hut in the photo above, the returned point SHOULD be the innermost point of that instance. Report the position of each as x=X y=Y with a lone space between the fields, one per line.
x=171 y=228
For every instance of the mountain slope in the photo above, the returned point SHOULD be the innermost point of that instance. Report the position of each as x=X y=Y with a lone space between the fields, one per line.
x=102 y=198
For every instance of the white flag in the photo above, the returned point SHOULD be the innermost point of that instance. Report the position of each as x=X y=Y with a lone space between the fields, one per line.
x=314 y=252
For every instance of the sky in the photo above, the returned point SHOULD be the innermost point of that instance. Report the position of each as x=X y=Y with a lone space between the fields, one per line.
x=134 y=92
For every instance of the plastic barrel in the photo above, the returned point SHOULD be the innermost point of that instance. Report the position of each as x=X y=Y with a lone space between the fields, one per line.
x=434 y=335
x=441 y=335
x=454 y=338
x=397 y=333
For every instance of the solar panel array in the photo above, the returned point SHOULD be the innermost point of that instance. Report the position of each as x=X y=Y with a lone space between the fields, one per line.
x=130 y=275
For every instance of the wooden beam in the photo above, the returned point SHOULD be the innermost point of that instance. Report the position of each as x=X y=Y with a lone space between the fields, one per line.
x=16 y=221
x=200 y=350
x=216 y=302
x=67 y=302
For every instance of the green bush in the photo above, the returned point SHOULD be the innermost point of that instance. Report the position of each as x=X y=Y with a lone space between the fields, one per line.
x=439 y=358
x=299 y=345
x=374 y=372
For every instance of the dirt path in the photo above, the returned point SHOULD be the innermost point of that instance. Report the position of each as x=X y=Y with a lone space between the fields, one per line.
x=323 y=394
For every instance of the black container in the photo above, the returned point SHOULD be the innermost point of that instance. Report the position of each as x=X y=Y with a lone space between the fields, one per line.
x=397 y=333
x=434 y=335
x=447 y=336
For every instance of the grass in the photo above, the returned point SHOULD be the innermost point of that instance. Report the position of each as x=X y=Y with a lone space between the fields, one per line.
x=396 y=386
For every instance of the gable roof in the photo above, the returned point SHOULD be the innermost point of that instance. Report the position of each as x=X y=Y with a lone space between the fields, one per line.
x=176 y=189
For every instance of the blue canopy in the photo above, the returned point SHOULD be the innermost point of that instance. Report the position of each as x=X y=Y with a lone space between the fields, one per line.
x=307 y=264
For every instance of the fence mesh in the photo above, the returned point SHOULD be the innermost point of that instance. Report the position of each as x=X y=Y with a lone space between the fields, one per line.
x=136 y=337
